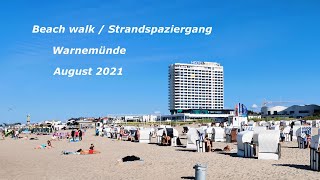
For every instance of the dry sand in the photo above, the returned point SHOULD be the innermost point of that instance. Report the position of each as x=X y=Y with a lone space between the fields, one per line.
x=19 y=160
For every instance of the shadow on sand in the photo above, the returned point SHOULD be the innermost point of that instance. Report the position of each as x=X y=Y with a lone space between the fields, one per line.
x=186 y=150
x=303 y=167
x=235 y=155
x=153 y=143
x=187 y=177
x=290 y=147
x=181 y=146
x=229 y=154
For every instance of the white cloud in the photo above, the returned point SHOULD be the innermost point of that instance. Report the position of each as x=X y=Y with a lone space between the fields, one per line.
x=254 y=106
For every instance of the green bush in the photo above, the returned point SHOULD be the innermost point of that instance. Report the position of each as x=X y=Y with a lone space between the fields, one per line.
x=311 y=118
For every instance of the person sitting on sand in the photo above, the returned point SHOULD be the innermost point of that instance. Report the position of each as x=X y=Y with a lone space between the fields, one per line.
x=165 y=138
x=91 y=147
x=90 y=151
x=227 y=148
x=49 y=143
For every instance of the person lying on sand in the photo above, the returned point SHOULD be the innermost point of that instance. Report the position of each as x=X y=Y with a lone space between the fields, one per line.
x=84 y=152
x=81 y=152
x=71 y=152
x=45 y=146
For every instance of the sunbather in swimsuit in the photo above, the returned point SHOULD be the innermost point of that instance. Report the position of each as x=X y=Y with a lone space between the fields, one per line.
x=44 y=146
x=71 y=152
x=84 y=152
x=308 y=140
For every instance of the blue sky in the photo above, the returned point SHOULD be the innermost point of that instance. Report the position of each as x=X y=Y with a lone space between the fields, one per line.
x=269 y=49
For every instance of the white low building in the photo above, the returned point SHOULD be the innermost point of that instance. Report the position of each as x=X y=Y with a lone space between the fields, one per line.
x=149 y=118
x=291 y=112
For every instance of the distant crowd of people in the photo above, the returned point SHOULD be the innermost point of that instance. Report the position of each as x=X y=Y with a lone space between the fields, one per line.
x=76 y=134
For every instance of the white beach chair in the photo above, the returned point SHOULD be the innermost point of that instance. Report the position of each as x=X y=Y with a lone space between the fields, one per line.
x=200 y=146
x=204 y=127
x=164 y=126
x=107 y=132
x=227 y=131
x=230 y=132
x=297 y=123
x=173 y=134
x=275 y=127
x=309 y=122
x=245 y=148
x=286 y=132
x=152 y=131
x=256 y=132
x=218 y=134
x=269 y=146
x=315 y=123
x=175 y=137
x=262 y=123
x=301 y=134
x=251 y=123
x=209 y=132
x=192 y=137
x=145 y=136
x=159 y=134
x=294 y=131
x=315 y=153
x=247 y=128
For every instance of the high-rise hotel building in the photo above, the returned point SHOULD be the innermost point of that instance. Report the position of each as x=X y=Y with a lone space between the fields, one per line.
x=196 y=88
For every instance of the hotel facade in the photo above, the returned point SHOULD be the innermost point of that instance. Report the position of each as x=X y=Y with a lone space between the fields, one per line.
x=196 y=88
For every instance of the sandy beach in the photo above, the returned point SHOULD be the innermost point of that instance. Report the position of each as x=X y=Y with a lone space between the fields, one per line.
x=19 y=160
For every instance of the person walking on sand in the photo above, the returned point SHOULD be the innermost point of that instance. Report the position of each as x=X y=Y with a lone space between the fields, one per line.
x=76 y=133
x=3 y=134
x=291 y=130
x=72 y=134
x=13 y=132
x=16 y=134
x=80 y=135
